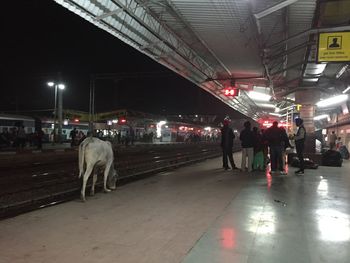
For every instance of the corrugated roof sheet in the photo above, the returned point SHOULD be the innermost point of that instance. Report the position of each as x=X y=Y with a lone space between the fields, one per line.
x=202 y=39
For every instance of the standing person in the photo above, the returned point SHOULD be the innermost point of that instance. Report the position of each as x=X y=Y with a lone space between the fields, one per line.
x=39 y=137
x=21 y=136
x=132 y=135
x=127 y=138
x=285 y=144
x=227 y=137
x=265 y=148
x=119 y=137
x=332 y=140
x=274 y=137
x=338 y=143
x=258 y=162
x=300 y=144
x=247 y=139
x=73 y=135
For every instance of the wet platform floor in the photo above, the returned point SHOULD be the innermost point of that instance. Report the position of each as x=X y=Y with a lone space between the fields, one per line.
x=198 y=213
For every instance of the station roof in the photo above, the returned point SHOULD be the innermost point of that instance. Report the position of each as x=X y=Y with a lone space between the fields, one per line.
x=267 y=46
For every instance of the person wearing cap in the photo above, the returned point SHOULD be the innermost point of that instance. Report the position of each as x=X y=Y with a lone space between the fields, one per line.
x=227 y=137
x=300 y=143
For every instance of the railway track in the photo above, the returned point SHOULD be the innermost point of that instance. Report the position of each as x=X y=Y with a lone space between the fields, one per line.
x=40 y=180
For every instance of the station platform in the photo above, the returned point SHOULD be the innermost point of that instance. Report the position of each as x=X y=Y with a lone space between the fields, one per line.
x=199 y=213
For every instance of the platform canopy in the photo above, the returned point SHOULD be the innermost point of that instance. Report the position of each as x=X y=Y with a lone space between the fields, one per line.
x=266 y=46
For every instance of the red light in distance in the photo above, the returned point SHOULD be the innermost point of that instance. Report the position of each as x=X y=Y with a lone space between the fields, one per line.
x=268 y=124
x=231 y=92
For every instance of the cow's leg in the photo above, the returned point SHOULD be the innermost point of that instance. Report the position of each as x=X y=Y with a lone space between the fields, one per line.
x=105 y=176
x=94 y=179
x=86 y=176
x=112 y=182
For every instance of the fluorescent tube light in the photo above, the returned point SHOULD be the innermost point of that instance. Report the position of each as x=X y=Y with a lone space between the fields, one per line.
x=259 y=96
x=275 y=114
x=320 y=117
x=347 y=89
x=266 y=105
x=332 y=101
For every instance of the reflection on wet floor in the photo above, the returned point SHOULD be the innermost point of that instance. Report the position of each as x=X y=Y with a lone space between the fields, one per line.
x=333 y=225
x=283 y=218
x=200 y=213
x=228 y=240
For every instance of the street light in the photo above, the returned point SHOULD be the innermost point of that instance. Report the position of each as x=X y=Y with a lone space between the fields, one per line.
x=59 y=87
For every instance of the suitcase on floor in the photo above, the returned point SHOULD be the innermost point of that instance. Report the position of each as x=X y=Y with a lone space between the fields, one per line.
x=344 y=152
x=332 y=158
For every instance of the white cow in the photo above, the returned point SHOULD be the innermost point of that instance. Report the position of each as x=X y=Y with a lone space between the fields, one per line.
x=95 y=154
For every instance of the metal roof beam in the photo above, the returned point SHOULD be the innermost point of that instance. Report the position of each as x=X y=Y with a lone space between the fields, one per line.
x=309 y=32
x=172 y=8
x=273 y=8
x=105 y=15
x=288 y=68
x=291 y=50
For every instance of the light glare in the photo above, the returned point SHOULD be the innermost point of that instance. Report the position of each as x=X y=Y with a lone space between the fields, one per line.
x=332 y=101
x=259 y=96
x=61 y=86
x=320 y=117
x=266 y=105
x=347 y=89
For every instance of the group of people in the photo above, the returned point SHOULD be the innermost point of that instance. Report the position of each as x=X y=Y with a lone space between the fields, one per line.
x=256 y=145
x=76 y=137
x=18 y=138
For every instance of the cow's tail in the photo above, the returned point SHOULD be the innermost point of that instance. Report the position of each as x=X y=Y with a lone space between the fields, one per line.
x=82 y=147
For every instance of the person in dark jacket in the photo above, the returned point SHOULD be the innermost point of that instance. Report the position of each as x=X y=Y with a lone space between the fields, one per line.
x=227 y=137
x=285 y=144
x=300 y=144
x=73 y=134
x=248 y=142
x=275 y=138
x=39 y=138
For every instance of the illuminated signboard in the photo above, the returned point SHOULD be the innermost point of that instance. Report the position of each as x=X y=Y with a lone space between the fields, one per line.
x=334 y=47
x=232 y=92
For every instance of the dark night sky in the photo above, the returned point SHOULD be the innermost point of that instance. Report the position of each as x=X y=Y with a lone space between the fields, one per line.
x=40 y=39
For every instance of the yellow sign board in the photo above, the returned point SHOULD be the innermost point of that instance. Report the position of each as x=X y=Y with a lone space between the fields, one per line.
x=334 y=47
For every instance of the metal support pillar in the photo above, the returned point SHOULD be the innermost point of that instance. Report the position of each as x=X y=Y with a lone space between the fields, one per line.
x=307 y=99
x=60 y=119
x=91 y=120
x=55 y=117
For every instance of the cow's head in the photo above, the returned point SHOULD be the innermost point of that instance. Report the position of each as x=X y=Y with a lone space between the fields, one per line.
x=112 y=178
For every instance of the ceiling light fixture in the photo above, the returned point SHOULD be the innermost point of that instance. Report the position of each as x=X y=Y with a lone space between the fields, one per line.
x=332 y=101
x=320 y=117
x=266 y=105
x=258 y=96
x=347 y=89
